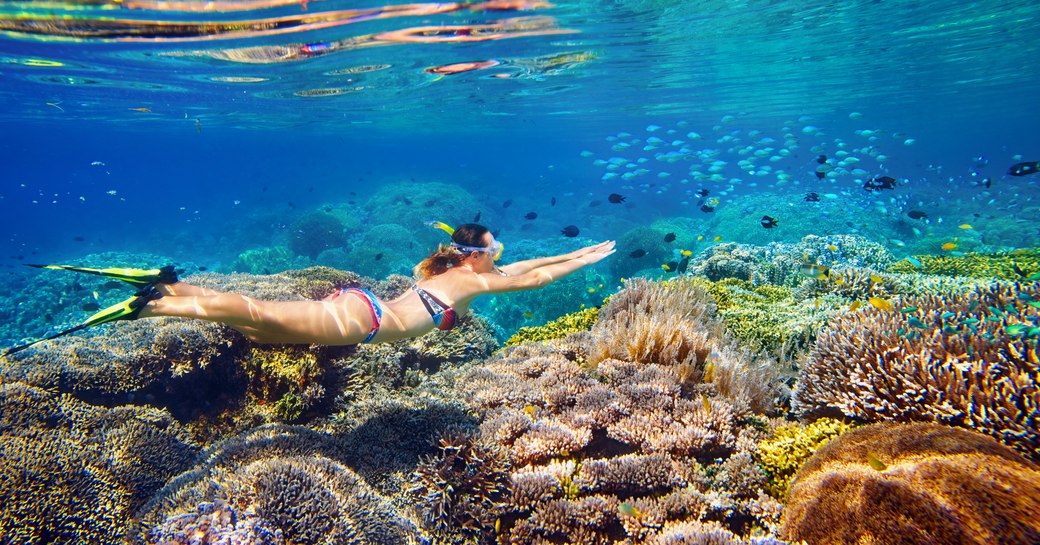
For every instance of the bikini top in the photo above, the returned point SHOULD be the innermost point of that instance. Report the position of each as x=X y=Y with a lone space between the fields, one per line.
x=444 y=316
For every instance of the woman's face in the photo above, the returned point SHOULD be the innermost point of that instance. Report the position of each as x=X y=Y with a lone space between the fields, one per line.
x=483 y=261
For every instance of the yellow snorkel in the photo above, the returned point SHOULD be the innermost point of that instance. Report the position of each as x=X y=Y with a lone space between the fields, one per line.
x=442 y=226
x=495 y=252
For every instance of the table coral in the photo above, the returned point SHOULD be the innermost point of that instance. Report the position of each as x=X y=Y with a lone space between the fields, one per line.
x=919 y=483
x=997 y=265
x=964 y=359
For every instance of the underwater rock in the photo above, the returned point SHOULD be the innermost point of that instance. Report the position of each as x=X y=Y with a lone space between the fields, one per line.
x=919 y=483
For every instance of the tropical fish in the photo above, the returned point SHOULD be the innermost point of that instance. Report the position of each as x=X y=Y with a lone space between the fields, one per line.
x=142 y=110
x=570 y=231
x=507 y=203
x=629 y=510
x=819 y=272
x=855 y=306
x=878 y=183
x=909 y=310
x=949 y=246
x=832 y=247
x=881 y=304
x=531 y=215
x=811 y=197
x=700 y=238
x=914 y=261
x=768 y=222
x=1024 y=169
x=669 y=237
x=965 y=226
x=915 y=322
x=876 y=279
x=717 y=238
x=703 y=192
x=876 y=464
x=637 y=253
x=616 y=198
x=670 y=266
x=686 y=253
x=917 y=215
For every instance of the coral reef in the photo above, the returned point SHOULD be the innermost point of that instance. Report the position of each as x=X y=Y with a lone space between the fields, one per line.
x=412 y=205
x=999 y=265
x=672 y=323
x=72 y=472
x=273 y=483
x=790 y=446
x=461 y=489
x=965 y=359
x=917 y=483
x=655 y=251
x=268 y=260
x=385 y=249
x=315 y=232
x=583 y=320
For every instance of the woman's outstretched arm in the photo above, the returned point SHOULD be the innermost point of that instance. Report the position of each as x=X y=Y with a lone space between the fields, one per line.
x=547 y=274
x=521 y=267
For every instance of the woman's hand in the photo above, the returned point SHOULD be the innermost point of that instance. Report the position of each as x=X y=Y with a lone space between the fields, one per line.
x=596 y=252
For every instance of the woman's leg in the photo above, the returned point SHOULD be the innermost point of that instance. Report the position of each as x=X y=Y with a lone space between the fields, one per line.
x=345 y=321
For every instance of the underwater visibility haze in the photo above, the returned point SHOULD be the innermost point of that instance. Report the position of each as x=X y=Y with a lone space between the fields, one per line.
x=828 y=265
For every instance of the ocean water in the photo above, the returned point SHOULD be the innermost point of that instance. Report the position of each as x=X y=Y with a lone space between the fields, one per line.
x=198 y=132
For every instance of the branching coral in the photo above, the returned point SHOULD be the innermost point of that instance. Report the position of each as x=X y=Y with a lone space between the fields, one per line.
x=279 y=480
x=790 y=446
x=967 y=360
x=461 y=488
x=918 y=483
x=74 y=473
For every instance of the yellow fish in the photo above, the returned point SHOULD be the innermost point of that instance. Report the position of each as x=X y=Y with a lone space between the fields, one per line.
x=591 y=290
x=707 y=403
x=528 y=314
x=876 y=279
x=949 y=246
x=530 y=410
x=832 y=247
x=855 y=306
x=686 y=253
x=700 y=238
x=142 y=110
x=718 y=238
x=965 y=226
x=881 y=304
x=629 y=510
x=873 y=461
x=819 y=272
x=666 y=267
x=709 y=372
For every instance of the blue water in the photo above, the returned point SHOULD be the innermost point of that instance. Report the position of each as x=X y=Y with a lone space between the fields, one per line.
x=200 y=158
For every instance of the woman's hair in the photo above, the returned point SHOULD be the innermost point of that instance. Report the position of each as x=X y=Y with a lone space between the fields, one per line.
x=446 y=257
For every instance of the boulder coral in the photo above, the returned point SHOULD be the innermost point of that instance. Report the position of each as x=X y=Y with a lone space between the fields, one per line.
x=966 y=360
x=273 y=484
x=75 y=473
x=918 y=483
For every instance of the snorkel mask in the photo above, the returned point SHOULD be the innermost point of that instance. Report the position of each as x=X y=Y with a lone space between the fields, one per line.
x=495 y=250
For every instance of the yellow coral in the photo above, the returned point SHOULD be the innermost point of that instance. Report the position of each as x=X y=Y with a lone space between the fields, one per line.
x=582 y=320
x=790 y=446
x=274 y=371
x=999 y=265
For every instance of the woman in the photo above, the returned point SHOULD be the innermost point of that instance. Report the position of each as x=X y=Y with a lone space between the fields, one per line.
x=449 y=280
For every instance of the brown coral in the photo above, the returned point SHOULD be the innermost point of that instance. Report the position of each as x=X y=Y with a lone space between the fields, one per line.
x=965 y=360
x=918 y=483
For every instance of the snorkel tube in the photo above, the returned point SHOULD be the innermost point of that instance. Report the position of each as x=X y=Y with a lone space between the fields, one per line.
x=442 y=226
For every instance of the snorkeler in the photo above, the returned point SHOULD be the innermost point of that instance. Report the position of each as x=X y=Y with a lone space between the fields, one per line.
x=448 y=281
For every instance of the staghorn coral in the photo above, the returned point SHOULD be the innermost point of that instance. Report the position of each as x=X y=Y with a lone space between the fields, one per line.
x=280 y=482
x=965 y=359
x=917 y=483
x=999 y=265
x=461 y=489
x=75 y=473
x=790 y=446
x=582 y=320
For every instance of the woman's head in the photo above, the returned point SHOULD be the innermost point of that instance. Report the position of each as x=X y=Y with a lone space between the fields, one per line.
x=468 y=241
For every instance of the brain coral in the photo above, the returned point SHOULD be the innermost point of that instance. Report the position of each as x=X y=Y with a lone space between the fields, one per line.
x=967 y=360
x=920 y=483
x=280 y=483
x=74 y=473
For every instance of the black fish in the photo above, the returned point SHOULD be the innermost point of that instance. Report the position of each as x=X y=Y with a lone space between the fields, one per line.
x=987 y=182
x=670 y=266
x=79 y=239
x=821 y=159
x=378 y=256
x=90 y=307
x=812 y=197
x=707 y=208
x=531 y=215
x=637 y=253
x=768 y=222
x=615 y=198
x=552 y=201
x=917 y=215
x=1018 y=270
x=669 y=237
x=1024 y=169
x=878 y=183
x=570 y=231
x=703 y=192
x=507 y=203
x=683 y=264
x=203 y=268
x=476 y=218
x=820 y=174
